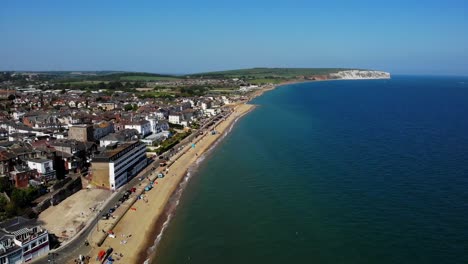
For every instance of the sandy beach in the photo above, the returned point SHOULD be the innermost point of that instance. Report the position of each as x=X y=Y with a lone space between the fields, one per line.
x=132 y=233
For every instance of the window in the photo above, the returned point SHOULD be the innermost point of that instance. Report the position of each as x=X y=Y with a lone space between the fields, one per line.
x=33 y=244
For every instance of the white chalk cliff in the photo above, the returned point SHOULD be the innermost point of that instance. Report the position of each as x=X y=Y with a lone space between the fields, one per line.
x=358 y=74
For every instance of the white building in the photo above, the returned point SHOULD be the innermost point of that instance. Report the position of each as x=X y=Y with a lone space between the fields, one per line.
x=29 y=236
x=44 y=168
x=225 y=100
x=155 y=138
x=119 y=164
x=212 y=112
x=17 y=116
x=143 y=127
x=9 y=251
x=159 y=115
x=175 y=118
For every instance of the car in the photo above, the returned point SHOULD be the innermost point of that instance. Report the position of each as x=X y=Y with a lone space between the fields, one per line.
x=111 y=210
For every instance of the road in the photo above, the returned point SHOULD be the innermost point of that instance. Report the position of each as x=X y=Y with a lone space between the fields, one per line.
x=76 y=246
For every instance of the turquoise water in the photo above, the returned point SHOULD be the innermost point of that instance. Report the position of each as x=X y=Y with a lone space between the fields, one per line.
x=334 y=172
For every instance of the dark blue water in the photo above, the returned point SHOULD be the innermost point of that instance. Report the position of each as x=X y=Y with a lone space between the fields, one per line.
x=334 y=172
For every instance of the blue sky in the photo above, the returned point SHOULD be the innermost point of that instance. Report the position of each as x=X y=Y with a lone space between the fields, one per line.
x=403 y=37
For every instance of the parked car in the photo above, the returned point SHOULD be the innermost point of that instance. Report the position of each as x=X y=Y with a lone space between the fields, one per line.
x=106 y=216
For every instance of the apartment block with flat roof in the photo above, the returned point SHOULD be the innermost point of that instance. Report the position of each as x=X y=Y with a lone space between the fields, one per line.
x=118 y=164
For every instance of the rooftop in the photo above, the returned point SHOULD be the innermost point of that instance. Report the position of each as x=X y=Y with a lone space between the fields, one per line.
x=18 y=223
x=38 y=160
x=109 y=153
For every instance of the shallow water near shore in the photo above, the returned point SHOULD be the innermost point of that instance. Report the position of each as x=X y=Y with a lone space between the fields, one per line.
x=333 y=172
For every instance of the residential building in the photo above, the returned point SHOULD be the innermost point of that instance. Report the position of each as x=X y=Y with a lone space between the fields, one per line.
x=21 y=175
x=143 y=127
x=121 y=136
x=158 y=125
x=9 y=252
x=107 y=106
x=151 y=140
x=81 y=133
x=118 y=164
x=102 y=129
x=28 y=235
x=211 y=111
x=44 y=168
x=175 y=118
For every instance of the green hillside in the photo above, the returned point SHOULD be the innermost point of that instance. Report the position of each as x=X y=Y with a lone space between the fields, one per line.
x=268 y=73
x=135 y=76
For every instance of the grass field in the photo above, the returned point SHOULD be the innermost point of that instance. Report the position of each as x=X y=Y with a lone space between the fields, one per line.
x=83 y=83
x=147 y=78
x=265 y=81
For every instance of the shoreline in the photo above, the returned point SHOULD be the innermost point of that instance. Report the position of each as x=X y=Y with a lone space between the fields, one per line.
x=143 y=226
x=139 y=228
x=150 y=252
x=146 y=252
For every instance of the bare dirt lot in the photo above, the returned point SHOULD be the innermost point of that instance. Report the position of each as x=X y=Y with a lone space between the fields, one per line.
x=70 y=216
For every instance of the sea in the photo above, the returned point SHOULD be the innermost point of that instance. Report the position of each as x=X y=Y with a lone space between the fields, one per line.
x=363 y=171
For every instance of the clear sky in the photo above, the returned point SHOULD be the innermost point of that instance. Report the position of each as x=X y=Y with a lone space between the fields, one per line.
x=403 y=37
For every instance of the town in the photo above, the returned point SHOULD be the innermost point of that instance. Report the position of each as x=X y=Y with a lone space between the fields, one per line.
x=71 y=156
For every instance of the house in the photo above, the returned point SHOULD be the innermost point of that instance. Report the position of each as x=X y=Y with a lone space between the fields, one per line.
x=28 y=235
x=107 y=106
x=121 y=136
x=211 y=111
x=163 y=125
x=44 y=168
x=102 y=129
x=157 y=125
x=175 y=118
x=151 y=140
x=143 y=127
x=188 y=114
x=21 y=175
x=10 y=252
